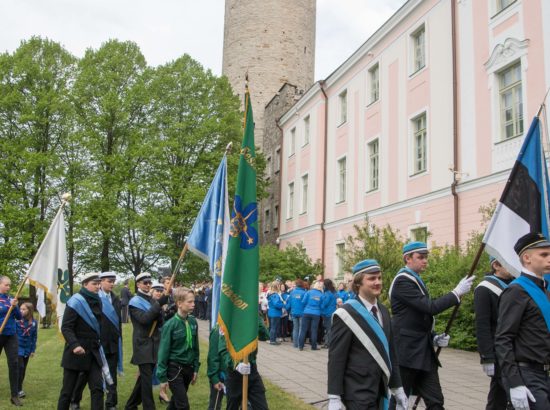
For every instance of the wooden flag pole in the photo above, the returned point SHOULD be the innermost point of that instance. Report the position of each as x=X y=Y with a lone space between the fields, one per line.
x=244 y=405
x=66 y=198
x=455 y=310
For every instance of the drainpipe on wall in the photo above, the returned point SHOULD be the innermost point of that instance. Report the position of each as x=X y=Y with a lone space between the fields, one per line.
x=325 y=159
x=280 y=187
x=455 y=125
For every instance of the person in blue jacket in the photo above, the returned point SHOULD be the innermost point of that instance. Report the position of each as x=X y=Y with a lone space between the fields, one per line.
x=26 y=337
x=342 y=292
x=283 y=333
x=312 y=303
x=274 y=312
x=8 y=337
x=327 y=309
x=296 y=309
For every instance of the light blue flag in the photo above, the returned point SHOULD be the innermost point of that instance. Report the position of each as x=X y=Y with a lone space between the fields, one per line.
x=210 y=234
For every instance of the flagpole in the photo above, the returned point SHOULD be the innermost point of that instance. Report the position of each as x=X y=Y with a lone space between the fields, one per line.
x=244 y=404
x=455 y=310
x=65 y=199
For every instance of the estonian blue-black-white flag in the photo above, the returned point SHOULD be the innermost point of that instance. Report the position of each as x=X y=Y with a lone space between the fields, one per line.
x=210 y=233
x=523 y=207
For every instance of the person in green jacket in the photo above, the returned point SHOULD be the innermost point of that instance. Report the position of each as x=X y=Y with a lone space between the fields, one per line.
x=178 y=356
x=217 y=370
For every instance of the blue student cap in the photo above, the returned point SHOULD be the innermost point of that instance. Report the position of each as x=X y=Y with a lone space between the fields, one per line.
x=366 y=266
x=411 y=247
x=491 y=260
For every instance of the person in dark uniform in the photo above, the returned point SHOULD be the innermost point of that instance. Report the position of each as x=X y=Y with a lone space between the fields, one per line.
x=81 y=329
x=362 y=362
x=522 y=339
x=125 y=296
x=146 y=316
x=486 y=296
x=412 y=322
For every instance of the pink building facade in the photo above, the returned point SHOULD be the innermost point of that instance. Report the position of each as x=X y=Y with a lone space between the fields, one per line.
x=418 y=128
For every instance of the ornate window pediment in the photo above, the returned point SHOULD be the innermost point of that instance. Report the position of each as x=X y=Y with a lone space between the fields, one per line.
x=505 y=52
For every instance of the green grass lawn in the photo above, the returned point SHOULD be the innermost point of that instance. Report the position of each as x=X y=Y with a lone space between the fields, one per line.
x=44 y=374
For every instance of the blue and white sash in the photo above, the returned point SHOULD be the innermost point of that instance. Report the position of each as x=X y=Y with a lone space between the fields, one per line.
x=538 y=296
x=81 y=307
x=109 y=311
x=140 y=303
x=488 y=284
x=411 y=275
x=547 y=280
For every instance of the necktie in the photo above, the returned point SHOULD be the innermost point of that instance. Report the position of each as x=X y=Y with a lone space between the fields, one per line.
x=374 y=312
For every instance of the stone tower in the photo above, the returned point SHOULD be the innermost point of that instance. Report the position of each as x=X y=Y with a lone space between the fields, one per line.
x=274 y=40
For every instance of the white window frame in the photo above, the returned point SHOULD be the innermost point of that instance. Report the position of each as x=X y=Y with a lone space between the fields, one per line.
x=276 y=217
x=374 y=83
x=499 y=6
x=339 y=262
x=413 y=155
x=369 y=160
x=290 y=200
x=307 y=130
x=304 y=194
x=292 y=142
x=341 y=187
x=343 y=107
x=417 y=227
x=277 y=161
x=413 y=37
x=518 y=120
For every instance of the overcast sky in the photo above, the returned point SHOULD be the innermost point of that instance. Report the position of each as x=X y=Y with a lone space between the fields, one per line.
x=166 y=29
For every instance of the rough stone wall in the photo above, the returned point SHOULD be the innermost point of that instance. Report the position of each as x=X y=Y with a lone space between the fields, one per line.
x=279 y=104
x=274 y=40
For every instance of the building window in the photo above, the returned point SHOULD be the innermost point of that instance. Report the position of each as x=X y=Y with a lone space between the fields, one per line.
x=374 y=165
x=277 y=163
x=419 y=49
x=275 y=217
x=268 y=168
x=290 y=212
x=419 y=234
x=511 y=103
x=267 y=221
x=343 y=101
x=292 y=148
x=420 y=144
x=341 y=180
x=502 y=4
x=340 y=249
x=303 y=208
x=374 y=84
x=306 y=130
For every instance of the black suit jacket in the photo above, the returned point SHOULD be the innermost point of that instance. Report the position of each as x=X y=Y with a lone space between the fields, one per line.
x=353 y=373
x=77 y=333
x=145 y=347
x=110 y=333
x=412 y=323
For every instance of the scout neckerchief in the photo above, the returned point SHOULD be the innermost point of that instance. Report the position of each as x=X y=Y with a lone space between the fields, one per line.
x=140 y=303
x=25 y=330
x=494 y=284
x=381 y=358
x=411 y=275
x=538 y=296
x=188 y=334
x=82 y=308
x=109 y=311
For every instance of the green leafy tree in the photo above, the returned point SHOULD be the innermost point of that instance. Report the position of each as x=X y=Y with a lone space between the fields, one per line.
x=289 y=263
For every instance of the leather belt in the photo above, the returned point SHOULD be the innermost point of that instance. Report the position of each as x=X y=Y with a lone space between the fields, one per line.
x=535 y=366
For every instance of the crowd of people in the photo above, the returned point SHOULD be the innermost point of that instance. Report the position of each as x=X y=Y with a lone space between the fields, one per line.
x=376 y=360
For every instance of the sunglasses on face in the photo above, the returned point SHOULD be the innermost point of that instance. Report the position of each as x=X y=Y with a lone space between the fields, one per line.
x=147 y=282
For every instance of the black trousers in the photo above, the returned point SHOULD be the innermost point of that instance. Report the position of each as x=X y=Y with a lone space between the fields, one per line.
x=10 y=345
x=538 y=383
x=216 y=398
x=256 y=390
x=497 y=399
x=23 y=361
x=179 y=379
x=424 y=384
x=112 y=398
x=360 y=405
x=94 y=379
x=143 y=389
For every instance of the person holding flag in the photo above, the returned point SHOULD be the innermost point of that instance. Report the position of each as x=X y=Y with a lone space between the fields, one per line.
x=81 y=328
x=522 y=339
x=486 y=297
x=362 y=363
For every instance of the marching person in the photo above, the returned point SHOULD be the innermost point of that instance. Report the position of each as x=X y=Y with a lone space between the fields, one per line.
x=486 y=296
x=362 y=363
x=146 y=315
x=522 y=339
x=178 y=357
x=27 y=333
x=216 y=370
x=81 y=329
x=412 y=322
x=125 y=296
x=8 y=337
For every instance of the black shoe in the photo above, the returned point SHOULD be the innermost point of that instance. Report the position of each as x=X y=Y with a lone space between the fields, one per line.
x=162 y=400
x=16 y=402
x=301 y=349
x=315 y=348
x=275 y=343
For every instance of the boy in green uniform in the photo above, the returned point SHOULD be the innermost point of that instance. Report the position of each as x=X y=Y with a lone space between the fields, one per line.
x=178 y=356
x=217 y=370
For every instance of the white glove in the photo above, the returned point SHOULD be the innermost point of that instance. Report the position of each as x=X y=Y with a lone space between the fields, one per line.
x=441 y=340
x=243 y=368
x=463 y=286
x=520 y=396
x=401 y=399
x=488 y=369
x=335 y=402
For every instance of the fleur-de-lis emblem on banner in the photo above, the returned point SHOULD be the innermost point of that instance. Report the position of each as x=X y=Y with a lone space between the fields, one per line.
x=241 y=223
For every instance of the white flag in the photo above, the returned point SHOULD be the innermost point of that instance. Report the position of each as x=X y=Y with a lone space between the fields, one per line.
x=49 y=270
